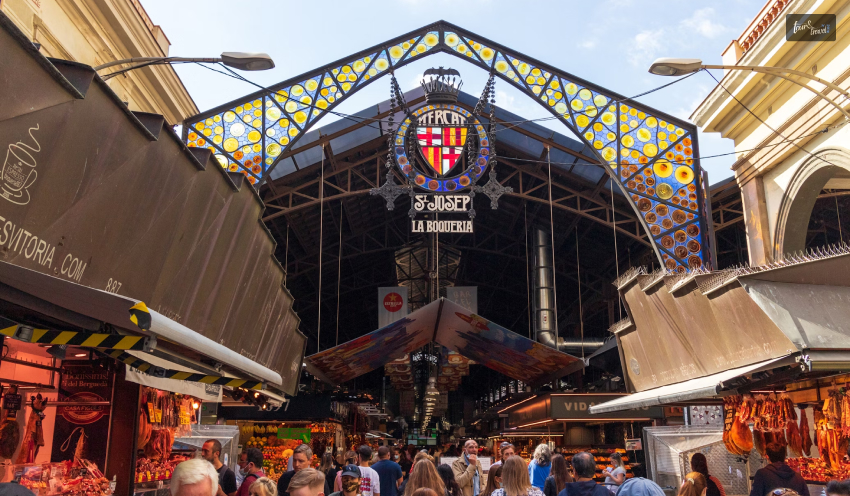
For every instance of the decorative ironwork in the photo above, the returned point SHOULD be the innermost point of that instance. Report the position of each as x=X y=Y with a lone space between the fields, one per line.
x=652 y=155
x=494 y=190
x=389 y=190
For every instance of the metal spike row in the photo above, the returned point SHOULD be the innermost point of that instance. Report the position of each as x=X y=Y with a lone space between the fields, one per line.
x=629 y=275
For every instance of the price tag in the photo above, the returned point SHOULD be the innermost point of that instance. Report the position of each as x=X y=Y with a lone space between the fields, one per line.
x=151 y=413
x=185 y=418
x=158 y=413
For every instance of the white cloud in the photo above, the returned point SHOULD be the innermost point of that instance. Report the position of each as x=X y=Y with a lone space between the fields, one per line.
x=702 y=22
x=589 y=44
x=645 y=47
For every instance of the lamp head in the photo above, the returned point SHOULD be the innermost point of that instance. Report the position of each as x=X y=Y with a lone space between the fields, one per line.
x=674 y=67
x=247 y=61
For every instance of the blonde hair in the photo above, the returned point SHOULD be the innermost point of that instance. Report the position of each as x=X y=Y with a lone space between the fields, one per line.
x=515 y=479
x=423 y=455
x=268 y=486
x=307 y=477
x=425 y=476
x=693 y=485
x=542 y=455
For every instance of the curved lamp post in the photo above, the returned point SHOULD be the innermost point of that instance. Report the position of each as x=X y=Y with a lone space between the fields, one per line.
x=679 y=67
x=237 y=60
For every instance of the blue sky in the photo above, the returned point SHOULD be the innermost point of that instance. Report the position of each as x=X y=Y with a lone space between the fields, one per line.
x=609 y=42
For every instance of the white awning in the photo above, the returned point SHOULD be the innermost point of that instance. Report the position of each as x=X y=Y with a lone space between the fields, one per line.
x=206 y=392
x=694 y=389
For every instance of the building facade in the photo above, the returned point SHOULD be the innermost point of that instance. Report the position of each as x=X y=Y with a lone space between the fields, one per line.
x=791 y=142
x=94 y=32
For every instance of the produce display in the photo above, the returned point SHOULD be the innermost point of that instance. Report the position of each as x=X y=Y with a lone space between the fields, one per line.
x=817 y=470
x=79 y=478
x=163 y=416
x=148 y=470
x=602 y=459
x=774 y=420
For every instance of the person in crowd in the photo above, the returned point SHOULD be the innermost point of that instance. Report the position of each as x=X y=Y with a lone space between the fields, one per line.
x=301 y=457
x=329 y=467
x=836 y=488
x=389 y=472
x=506 y=450
x=558 y=476
x=494 y=480
x=445 y=473
x=584 y=470
x=424 y=491
x=308 y=482
x=263 y=487
x=713 y=486
x=638 y=486
x=616 y=474
x=350 y=459
x=350 y=477
x=422 y=455
x=241 y=460
x=693 y=485
x=405 y=462
x=195 y=477
x=424 y=476
x=251 y=470
x=778 y=474
x=540 y=465
x=467 y=469
x=211 y=452
x=515 y=479
x=370 y=481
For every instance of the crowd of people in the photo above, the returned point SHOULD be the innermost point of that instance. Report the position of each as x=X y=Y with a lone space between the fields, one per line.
x=394 y=471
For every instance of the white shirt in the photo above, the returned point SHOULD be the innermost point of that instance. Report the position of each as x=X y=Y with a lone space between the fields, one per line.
x=370 y=483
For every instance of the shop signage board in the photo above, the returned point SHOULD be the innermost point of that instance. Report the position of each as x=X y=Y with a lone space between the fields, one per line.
x=82 y=425
x=465 y=296
x=634 y=444
x=12 y=402
x=294 y=433
x=573 y=407
x=392 y=304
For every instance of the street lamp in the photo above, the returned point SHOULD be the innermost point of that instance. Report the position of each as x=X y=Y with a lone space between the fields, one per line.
x=237 y=60
x=679 y=67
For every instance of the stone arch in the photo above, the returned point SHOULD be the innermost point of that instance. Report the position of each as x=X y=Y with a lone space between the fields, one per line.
x=798 y=200
x=651 y=156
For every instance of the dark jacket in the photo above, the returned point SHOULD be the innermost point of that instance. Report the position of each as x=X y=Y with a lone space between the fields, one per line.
x=550 y=487
x=586 y=488
x=776 y=476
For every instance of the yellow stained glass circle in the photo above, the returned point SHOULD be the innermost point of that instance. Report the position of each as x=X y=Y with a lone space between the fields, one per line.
x=254 y=136
x=502 y=66
x=291 y=106
x=256 y=147
x=608 y=119
x=487 y=54
x=322 y=103
x=452 y=40
x=293 y=131
x=257 y=123
x=231 y=145
x=577 y=104
x=555 y=84
x=651 y=122
x=273 y=114
x=597 y=144
x=430 y=39
x=306 y=100
x=582 y=121
x=664 y=191
x=284 y=123
x=270 y=132
x=328 y=81
x=598 y=127
x=611 y=136
x=382 y=64
x=199 y=125
x=208 y=122
x=421 y=48
x=311 y=85
x=650 y=150
x=588 y=135
x=627 y=141
x=524 y=68
x=346 y=86
x=372 y=71
x=536 y=90
x=297 y=90
x=359 y=66
x=246 y=149
x=284 y=140
x=590 y=110
x=207 y=132
x=237 y=129
x=572 y=89
x=352 y=77
x=560 y=107
x=461 y=48
x=273 y=150
x=662 y=168
x=229 y=116
x=609 y=153
x=671 y=128
x=217 y=118
x=217 y=139
x=584 y=94
x=222 y=160
x=219 y=130
x=396 y=52
x=644 y=135
x=300 y=117
x=600 y=100
x=684 y=174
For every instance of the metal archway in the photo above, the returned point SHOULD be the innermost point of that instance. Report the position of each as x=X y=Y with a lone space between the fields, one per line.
x=652 y=156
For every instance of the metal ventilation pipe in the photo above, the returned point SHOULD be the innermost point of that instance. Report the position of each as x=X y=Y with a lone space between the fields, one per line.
x=543 y=292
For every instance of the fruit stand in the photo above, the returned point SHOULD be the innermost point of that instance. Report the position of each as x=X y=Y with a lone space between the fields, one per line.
x=277 y=440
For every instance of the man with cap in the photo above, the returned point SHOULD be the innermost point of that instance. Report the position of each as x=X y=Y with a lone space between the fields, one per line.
x=350 y=481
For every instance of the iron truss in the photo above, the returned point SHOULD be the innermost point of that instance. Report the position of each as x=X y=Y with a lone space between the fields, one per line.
x=650 y=154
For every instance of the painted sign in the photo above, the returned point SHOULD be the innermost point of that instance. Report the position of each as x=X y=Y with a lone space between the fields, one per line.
x=80 y=426
x=574 y=407
x=392 y=304
x=465 y=296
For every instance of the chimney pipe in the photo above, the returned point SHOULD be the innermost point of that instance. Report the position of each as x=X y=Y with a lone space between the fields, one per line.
x=544 y=299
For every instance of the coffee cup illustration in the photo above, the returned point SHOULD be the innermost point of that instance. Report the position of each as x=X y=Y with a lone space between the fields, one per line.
x=19 y=172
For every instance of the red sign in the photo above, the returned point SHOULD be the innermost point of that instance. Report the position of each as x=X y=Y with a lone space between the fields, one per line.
x=393 y=302
x=83 y=414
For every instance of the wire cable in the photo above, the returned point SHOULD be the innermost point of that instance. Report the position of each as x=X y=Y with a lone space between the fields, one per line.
x=552 y=236
x=321 y=239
